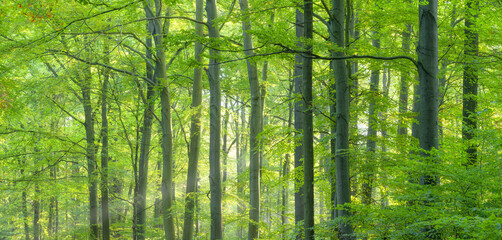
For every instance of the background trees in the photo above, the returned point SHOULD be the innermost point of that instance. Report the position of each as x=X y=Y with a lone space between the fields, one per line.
x=73 y=74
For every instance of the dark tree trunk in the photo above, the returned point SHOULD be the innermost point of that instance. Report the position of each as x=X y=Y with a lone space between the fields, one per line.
x=215 y=123
x=342 y=122
x=308 y=130
x=195 y=131
x=428 y=69
x=139 y=215
x=470 y=82
x=90 y=152
x=105 y=217
x=36 y=213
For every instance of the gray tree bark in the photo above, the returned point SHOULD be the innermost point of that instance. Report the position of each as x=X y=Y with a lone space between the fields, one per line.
x=308 y=130
x=428 y=70
x=369 y=165
x=342 y=121
x=298 y=123
x=195 y=130
x=402 y=130
x=105 y=217
x=139 y=205
x=215 y=123
x=90 y=151
x=255 y=124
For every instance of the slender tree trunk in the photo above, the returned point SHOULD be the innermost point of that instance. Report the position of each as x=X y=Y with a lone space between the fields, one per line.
x=224 y=147
x=286 y=166
x=36 y=213
x=470 y=82
x=105 y=217
x=215 y=123
x=308 y=130
x=139 y=215
x=255 y=127
x=195 y=131
x=90 y=152
x=241 y=165
x=25 y=207
x=402 y=130
x=369 y=168
x=299 y=106
x=342 y=122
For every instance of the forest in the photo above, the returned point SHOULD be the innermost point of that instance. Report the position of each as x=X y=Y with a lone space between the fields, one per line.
x=250 y=119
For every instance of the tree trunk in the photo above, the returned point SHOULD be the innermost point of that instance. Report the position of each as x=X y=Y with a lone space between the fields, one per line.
x=342 y=122
x=24 y=206
x=428 y=70
x=224 y=147
x=308 y=130
x=36 y=213
x=241 y=165
x=90 y=152
x=139 y=218
x=255 y=127
x=105 y=217
x=299 y=106
x=470 y=82
x=215 y=123
x=402 y=130
x=195 y=131
x=369 y=165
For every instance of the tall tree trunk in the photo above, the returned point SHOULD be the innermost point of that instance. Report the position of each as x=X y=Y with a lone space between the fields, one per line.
x=158 y=33
x=402 y=130
x=470 y=82
x=139 y=215
x=195 y=130
x=286 y=165
x=105 y=217
x=299 y=106
x=386 y=77
x=369 y=165
x=428 y=70
x=90 y=152
x=241 y=165
x=342 y=122
x=308 y=129
x=215 y=123
x=254 y=125
x=224 y=147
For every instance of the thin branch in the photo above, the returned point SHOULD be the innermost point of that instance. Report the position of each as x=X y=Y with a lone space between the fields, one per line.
x=102 y=65
x=65 y=111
